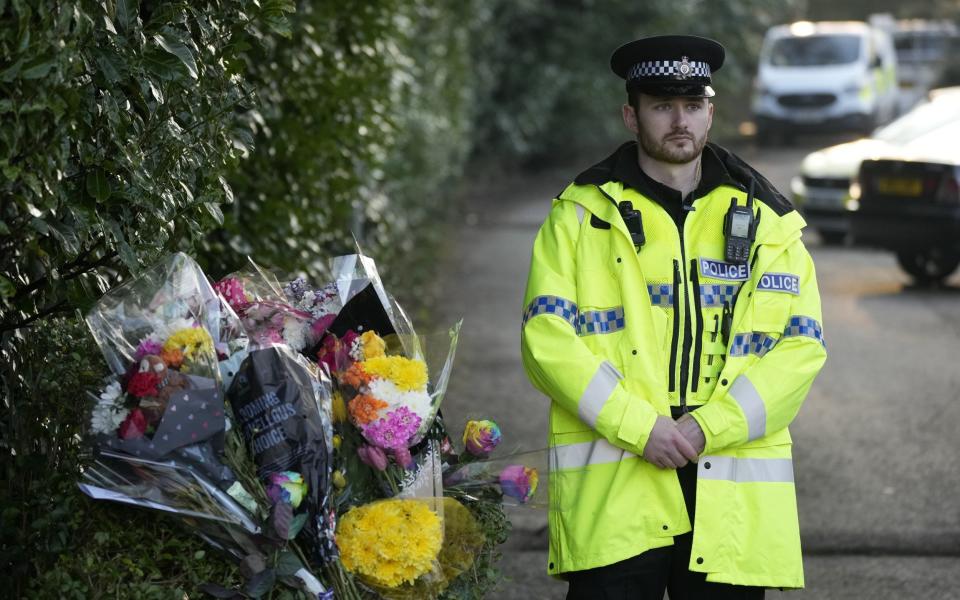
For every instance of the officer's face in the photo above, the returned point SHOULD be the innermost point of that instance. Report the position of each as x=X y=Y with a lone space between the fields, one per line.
x=671 y=130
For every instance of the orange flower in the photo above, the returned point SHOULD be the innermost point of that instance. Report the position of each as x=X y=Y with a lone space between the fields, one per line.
x=173 y=357
x=365 y=409
x=355 y=376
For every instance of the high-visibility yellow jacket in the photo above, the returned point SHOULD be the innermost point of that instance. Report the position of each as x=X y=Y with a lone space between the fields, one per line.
x=616 y=336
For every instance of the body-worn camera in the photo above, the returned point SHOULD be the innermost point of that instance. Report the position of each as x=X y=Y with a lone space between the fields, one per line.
x=634 y=223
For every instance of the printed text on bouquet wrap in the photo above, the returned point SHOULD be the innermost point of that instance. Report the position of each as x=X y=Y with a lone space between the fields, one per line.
x=262 y=419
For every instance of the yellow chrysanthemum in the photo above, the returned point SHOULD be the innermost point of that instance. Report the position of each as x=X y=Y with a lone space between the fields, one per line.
x=407 y=374
x=373 y=345
x=339 y=408
x=390 y=542
x=193 y=342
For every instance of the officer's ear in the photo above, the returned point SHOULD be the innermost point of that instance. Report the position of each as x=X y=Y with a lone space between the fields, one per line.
x=630 y=119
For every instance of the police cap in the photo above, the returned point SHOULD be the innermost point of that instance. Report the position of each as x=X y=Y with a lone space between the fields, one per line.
x=669 y=65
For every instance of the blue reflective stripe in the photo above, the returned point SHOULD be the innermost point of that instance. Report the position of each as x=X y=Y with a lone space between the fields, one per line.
x=552 y=305
x=752 y=343
x=716 y=295
x=601 y=321
x=661 y=295
x=760 y=343
x=804 y=326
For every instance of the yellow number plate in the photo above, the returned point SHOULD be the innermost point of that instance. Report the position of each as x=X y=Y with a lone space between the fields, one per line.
x=892 y=186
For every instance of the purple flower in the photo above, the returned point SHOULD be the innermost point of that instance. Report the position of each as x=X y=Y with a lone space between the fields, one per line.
x=296 y=288
x=288 y=487
x=372 y=456
x=405 y=421
x=403 y=457
x=519 y=482
x=481 y=437
x=147 y=346
x=394 y=430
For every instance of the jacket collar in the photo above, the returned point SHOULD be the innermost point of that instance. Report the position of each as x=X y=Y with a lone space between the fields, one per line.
x=719 y=167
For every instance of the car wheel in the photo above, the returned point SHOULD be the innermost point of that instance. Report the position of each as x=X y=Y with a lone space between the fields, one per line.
x=928 y=266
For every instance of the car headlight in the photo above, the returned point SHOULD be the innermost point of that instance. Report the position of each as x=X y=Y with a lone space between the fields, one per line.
x=853 y=202
x=797 y=187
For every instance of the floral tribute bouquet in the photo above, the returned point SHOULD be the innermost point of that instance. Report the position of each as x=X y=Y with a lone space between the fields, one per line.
x=161 y=435
x=159 y=334
x=269 y=316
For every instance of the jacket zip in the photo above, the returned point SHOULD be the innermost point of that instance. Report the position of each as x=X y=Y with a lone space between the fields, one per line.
x=698 y=339
x=687 y=337
x=676 y=325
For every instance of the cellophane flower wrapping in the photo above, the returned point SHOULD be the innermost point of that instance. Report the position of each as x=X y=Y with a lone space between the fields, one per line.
x=158 y=422
x=269 y=315
x=519 y=479
x=159 y=334
x=282 y=406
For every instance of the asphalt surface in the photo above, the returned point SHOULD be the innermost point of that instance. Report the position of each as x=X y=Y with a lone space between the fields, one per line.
x=876 y=445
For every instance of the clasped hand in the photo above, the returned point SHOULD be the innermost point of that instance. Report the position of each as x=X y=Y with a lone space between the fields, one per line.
x=672 y=445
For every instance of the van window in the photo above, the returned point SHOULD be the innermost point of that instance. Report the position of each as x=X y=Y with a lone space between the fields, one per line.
x=815 y=50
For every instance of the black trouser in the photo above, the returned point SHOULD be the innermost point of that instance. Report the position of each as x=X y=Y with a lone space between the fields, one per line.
x=649 y=575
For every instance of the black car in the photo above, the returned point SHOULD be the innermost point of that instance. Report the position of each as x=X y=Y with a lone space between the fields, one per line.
x=913 y=209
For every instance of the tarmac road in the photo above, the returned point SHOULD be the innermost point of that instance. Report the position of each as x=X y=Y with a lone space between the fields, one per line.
x=876 y=445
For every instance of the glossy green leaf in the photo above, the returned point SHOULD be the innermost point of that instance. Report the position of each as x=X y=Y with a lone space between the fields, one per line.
x=98 y=185
x=261 y=583
x=288 y=563
x=127 y=11
x=7 y=289
x=178 y=49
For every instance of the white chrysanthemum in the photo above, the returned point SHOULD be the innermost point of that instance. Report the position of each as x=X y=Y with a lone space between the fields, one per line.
x=294 y=333
x=110 y=394
x=106 y=419
x=356 y=349
x=417 y=401
x=108 y=413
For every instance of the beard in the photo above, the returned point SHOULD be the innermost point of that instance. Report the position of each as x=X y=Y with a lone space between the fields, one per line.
x=665 y=150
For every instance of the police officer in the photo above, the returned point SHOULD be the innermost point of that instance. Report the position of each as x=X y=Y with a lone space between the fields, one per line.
x=673 y=318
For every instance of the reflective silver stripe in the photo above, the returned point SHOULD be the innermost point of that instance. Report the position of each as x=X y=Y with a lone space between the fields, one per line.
x=577 y=456
x=745 y=470
x=752 y=406
x=602 y=384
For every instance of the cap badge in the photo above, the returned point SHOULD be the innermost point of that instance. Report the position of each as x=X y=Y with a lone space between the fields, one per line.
x=684 y=68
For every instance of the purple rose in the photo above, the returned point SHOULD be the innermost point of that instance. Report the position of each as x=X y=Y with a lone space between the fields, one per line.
x=519 y=482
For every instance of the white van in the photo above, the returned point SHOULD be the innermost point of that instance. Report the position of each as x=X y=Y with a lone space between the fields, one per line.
x=827 y=76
